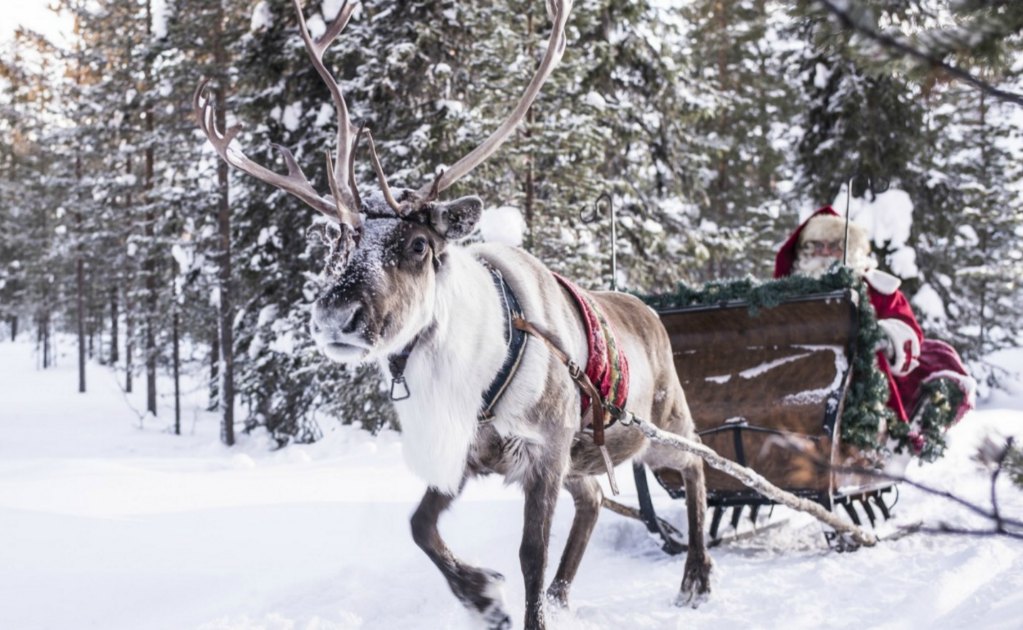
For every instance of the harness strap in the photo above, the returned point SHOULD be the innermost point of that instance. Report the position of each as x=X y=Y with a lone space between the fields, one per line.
x=514 y=338
x=584 y=383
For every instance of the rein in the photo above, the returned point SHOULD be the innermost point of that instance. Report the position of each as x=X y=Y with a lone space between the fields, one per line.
x=608 y=412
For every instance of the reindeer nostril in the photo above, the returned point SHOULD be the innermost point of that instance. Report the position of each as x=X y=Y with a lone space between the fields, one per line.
x=354 y=319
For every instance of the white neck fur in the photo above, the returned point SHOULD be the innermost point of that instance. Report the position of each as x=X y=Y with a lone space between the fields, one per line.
x=448 y=372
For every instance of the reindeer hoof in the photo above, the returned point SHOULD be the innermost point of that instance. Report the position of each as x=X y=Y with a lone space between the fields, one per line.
x=495 y=618
x=491 y=608
x=695 y=585
x=557 y=594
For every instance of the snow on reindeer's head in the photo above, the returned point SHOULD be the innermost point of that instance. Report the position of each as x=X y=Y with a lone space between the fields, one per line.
x=378 y=292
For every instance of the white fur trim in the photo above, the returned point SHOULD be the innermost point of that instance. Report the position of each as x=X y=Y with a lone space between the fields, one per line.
x=904 y=348
x=882 y=282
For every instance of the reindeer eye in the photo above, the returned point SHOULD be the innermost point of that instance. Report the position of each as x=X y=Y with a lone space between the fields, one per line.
x=419 y=246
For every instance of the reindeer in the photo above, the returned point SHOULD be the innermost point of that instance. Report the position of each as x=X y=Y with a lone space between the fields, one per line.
x=401 y=291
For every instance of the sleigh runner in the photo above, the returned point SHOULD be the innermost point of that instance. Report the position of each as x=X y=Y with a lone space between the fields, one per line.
x=756 y=379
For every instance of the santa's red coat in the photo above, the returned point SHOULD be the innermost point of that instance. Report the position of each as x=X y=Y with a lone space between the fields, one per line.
x=935 y=358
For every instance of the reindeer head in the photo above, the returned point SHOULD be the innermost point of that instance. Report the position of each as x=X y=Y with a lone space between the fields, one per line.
x=385 y=252
x=377 y=301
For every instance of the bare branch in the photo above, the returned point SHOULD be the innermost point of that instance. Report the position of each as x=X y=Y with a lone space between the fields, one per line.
x=958 y=531
x=752 y=479
x=843 y=16
x=1002 y=524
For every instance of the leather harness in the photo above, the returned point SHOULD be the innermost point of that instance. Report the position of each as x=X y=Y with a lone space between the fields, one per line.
x=601 y=412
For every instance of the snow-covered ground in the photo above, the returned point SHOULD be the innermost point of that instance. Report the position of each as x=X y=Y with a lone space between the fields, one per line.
x=111 y=523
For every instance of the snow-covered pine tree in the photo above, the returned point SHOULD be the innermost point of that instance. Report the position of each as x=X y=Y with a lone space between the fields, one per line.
x=33 y=199
x=741 y=51
x=200 y=189
x=930 y=39
x=878 y=112
x=970 y=246
x=282 y=379
x=107 y=136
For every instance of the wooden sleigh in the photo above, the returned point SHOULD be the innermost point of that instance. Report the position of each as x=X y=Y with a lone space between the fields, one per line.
x=754 y=379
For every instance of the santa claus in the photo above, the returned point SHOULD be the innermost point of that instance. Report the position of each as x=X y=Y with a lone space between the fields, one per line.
x=906 y=359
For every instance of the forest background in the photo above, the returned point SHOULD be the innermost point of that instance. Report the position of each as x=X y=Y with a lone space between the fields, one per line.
x=713 y=124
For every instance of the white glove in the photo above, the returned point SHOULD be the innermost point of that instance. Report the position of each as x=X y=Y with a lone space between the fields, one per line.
x=903 y=348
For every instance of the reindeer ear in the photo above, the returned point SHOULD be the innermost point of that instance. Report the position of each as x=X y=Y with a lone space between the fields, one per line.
x=340 y=240
x=322 y=233
x=456 y=219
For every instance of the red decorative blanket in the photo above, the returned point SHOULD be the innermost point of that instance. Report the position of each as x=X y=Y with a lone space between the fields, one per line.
x=607 y=366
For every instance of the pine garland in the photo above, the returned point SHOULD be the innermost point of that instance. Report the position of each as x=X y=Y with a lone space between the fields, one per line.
x=925 y=436
x=866 y=401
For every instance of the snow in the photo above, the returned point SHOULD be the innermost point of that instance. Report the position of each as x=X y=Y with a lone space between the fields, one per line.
x=113 y=524
x=330 y=8
x=504 y=224
x=888 y=217
x=758 y=370
x=928 y=304
x=159 y=12
x=812 y=396
x=903 y=263
x=595 y=100
x=820 y=76
x=262 y=17
x=292 y=116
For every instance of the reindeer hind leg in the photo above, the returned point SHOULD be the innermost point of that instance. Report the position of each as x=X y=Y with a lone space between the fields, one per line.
x=695 y=586
x=696 y=575
x=587 y=495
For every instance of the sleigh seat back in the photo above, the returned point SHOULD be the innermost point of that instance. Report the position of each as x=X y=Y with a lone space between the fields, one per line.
x=754 y=378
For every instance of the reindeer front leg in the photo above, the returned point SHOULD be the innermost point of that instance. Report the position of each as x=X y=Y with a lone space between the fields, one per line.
x=541 y=496
x=477 y=589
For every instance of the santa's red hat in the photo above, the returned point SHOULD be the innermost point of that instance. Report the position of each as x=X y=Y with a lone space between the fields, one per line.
x=824 y=225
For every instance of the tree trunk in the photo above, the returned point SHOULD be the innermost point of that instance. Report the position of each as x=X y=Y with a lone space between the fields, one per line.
x=530 y=184
x=114 y=341
x=150 y=264
x=129 y=347
x=79 y=258
x=176 y=351
x=224 y=228
x=214 y=383
x=14 y=327
x=80 y=291
x=129 y=305
x=46 y=340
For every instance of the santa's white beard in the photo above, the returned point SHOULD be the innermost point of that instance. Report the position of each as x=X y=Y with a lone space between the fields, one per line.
x=813 y=266
x=817 y=266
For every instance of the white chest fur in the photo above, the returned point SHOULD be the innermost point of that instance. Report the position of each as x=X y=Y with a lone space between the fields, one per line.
x=448 y=372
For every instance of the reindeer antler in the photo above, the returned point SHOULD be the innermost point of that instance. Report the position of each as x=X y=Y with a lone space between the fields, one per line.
x=558 y=11
x=347 y=133
x=345 y=205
